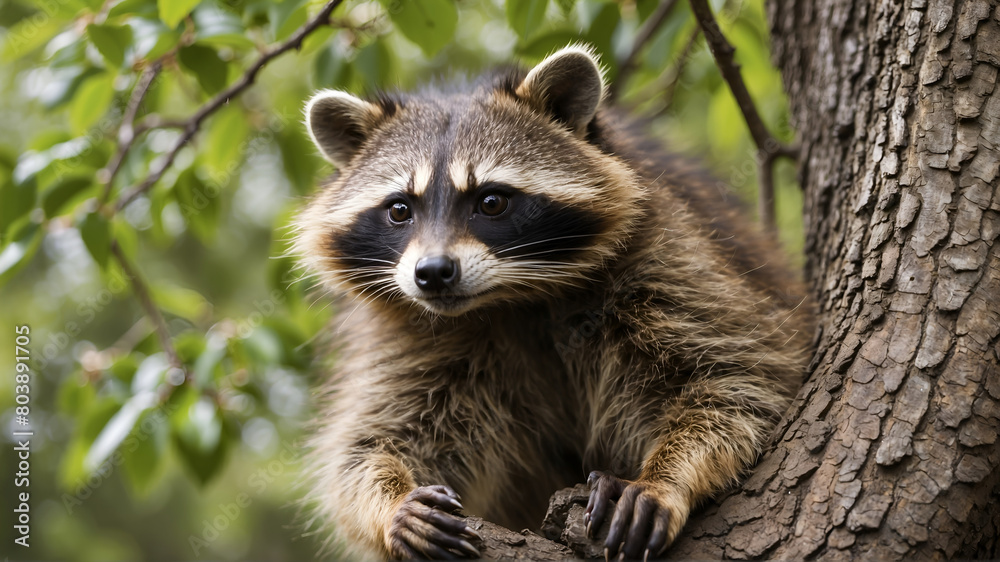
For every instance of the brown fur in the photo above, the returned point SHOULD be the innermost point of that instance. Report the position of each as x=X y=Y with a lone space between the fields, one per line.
x=666 y=360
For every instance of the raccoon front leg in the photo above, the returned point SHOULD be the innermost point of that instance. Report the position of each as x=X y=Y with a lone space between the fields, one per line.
x=423 y=528
x=708 y=435
x=376 y=507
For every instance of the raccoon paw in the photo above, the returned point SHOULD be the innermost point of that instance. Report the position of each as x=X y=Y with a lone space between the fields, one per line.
x=647 y=517
x=423 y=527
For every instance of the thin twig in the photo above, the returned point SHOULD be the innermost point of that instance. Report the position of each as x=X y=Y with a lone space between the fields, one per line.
x=677 y=70
x=158 y=122
x=768 y=147
x=245 y=81
x=141 y=290
x=666 y=85
x=126 y=132
x=627 y=66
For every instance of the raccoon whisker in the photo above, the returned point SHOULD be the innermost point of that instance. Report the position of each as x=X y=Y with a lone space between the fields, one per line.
x=359 y=274
x=547 y=240
x=514 y=262
x=547 y=271
x=374 y=283
x=540 y=265
x=542 y=252
x=538 y=276
x=371 y=269
x=394 y=250
x=323 y=297
x=384 y=291
x=361 y=258
x=365 y=299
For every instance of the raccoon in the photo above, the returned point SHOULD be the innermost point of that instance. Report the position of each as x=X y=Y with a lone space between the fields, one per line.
x=531 y=294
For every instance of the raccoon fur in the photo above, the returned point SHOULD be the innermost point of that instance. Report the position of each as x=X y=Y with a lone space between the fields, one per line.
x=531 y=293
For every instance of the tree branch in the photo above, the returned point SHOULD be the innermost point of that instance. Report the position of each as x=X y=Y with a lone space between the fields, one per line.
x=141 y=290
x=194 y=122
x=768 y=148
x=666 y=85
x=129 y=130
x=627 y=66
x=126 y=131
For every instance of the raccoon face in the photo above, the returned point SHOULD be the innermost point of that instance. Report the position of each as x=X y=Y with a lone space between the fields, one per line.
x=456 y=201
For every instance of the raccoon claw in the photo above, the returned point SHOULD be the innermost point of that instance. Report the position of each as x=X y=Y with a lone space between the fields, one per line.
x=604 y=487
x=645 y=522
x=422 y=527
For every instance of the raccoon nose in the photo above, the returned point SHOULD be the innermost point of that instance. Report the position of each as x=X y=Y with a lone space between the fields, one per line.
x=436 y=273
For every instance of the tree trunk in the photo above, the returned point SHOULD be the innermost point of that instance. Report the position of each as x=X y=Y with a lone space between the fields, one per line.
x=890 y=450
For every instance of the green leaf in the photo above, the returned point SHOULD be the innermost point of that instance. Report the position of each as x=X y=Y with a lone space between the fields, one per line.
x=64 y=84
x=263 y=347
x=298 y=159
x=211 y=357
x=316 y=40
x=111 y=41
x=28 y=35
x=645 y=8
x=207 y=67
x=189 y=345
x=199 y=204
x=525 y=16
x=375 y=64
x=286 y=17
x=72 y=54
x=152 y=38
x=126 y=8
x=159 y=198
x=117 y=428
x=182 y=302
x=149 y=374
x=172 y=12
x=224 y=145
x=218 y=27
x=89 y=425
x=545 y=43
x=197 y=428
x=144 y=448
x=96 y=235
x=91 y=102
x=125 y=236
x=18 y=199
x=124 y=368
x=25 y=243
x=331 y=69
x=601 y=29
x=428 y=23
x=566 y=6
x=75 y=395
x=66 y=189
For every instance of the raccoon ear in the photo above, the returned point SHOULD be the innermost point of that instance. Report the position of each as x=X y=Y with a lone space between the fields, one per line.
x=339 y=124
x=568 y=84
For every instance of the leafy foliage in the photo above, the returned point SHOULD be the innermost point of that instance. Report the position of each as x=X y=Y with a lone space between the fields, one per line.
x=95 y=96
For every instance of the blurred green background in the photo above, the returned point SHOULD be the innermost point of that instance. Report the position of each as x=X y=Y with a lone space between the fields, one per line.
x=134 y=459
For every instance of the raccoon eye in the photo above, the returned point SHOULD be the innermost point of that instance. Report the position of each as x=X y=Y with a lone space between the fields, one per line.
x=493 y=204
x=399 y=212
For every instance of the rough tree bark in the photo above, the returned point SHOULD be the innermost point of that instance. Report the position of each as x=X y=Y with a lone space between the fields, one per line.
x=890 y=451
